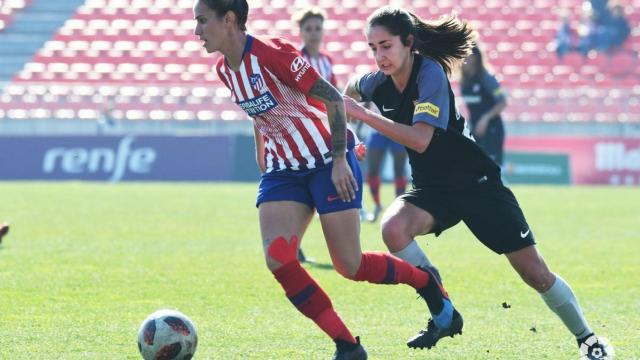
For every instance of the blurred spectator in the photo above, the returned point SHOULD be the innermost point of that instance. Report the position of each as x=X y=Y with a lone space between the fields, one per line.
x=565 y=38
x=604 y=30
x=618 y=27
x=600 y=9
x=106 y=121
x=4 y=230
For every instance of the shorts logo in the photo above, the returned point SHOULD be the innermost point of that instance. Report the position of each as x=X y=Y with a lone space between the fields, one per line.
x=523 y=234
x=257 y=83
x=332 y=198
x=428 y=108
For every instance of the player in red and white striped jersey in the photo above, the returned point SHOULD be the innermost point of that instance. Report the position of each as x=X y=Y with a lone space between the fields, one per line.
x=309 y=164
x=311 y=22
x=271 y=85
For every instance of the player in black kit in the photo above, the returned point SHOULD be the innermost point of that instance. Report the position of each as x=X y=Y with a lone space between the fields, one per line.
x=453 y=179
x=485 y=100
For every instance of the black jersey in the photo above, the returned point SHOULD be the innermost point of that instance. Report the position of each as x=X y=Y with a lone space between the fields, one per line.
x=481 y=93
x=452 y=157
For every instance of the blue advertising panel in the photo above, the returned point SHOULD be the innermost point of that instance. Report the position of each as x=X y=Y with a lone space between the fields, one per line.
x=116 y=158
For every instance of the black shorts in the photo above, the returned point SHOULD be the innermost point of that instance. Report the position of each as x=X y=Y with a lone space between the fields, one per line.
x=490 y=211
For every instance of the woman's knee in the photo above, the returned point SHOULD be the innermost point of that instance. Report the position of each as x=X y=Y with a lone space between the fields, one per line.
x=272 y=264
x=347 y=267
x=394 y=233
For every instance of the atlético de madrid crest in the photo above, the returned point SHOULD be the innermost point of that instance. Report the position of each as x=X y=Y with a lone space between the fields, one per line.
x=257 y=83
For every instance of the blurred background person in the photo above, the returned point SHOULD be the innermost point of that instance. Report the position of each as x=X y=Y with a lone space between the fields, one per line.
x=377 y=147
x=311 y=23
x=618 y=27
x=565 y=37
x=4 y=230
x=485 y=101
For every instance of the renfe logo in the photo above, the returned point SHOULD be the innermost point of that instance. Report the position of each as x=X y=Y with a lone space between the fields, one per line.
x=614 y=156
x=105 y=160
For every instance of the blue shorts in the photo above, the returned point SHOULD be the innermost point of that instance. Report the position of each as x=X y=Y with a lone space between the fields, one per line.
x=377 y=141
x=311 y=187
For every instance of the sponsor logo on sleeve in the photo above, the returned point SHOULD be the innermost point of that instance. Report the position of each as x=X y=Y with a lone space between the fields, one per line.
x=299 y=66
x=427 y=108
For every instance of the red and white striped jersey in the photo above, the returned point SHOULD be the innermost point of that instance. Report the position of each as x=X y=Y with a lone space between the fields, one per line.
x=271 y=86
x=323 y=65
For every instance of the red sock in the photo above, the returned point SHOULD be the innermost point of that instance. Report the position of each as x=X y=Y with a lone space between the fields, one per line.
x=309 y=298
x=374 y=188
x=382 y=268
x=401 y=185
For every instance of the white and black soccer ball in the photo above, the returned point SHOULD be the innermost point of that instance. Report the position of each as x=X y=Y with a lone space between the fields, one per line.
x=596 y=348
x=167 y=335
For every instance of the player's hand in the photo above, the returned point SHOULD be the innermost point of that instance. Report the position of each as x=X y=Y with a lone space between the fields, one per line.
x=353 y=109
x=481 y=128
x=343 y=179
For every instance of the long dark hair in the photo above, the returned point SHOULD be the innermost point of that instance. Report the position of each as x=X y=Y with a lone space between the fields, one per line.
x=238 y=7
x=447 y=40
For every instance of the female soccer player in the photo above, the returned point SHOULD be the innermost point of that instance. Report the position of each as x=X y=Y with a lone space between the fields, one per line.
x=311 y=23
x=486 y=101
x=453 y=179
x=309 y=163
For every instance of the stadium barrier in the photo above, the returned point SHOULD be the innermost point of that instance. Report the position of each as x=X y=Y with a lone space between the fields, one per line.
x=593 y=160
x=121 y=158
x=549 y=160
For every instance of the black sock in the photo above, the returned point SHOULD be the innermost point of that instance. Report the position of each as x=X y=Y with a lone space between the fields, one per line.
x=432 y=295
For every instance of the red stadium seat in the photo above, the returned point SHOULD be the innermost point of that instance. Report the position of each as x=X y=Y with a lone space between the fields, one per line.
x=144 y=54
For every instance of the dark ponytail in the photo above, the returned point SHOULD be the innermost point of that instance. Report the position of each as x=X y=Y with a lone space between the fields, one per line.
x=446 y=40
x=238 y=7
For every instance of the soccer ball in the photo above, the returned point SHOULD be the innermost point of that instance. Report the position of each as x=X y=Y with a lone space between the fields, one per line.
x=167 y=335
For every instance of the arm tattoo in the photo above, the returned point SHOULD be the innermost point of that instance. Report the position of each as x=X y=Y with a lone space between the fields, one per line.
x=325 y=91
x=332 y=99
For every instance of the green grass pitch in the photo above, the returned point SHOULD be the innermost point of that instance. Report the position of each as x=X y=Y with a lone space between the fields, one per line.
x=85 y=263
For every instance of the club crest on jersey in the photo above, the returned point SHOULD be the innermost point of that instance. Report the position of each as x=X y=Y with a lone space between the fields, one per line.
x=257 y=83
x=259 y=104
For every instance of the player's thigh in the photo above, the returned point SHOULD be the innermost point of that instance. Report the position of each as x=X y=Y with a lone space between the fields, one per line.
x=402 y=221
x=434 y=202
x=282 y=218
x=494 y=216
x=342 y=232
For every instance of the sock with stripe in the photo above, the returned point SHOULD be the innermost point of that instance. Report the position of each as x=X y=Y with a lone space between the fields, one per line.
x=382 y=268
x=304 y=293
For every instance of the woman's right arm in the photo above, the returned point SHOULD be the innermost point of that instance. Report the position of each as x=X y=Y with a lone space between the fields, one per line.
x=351 y=91
x=259 y=149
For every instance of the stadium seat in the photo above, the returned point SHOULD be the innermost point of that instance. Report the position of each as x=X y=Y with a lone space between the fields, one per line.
x=143 y=54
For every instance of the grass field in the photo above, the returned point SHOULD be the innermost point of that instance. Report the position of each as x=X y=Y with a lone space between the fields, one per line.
x=85 y=263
